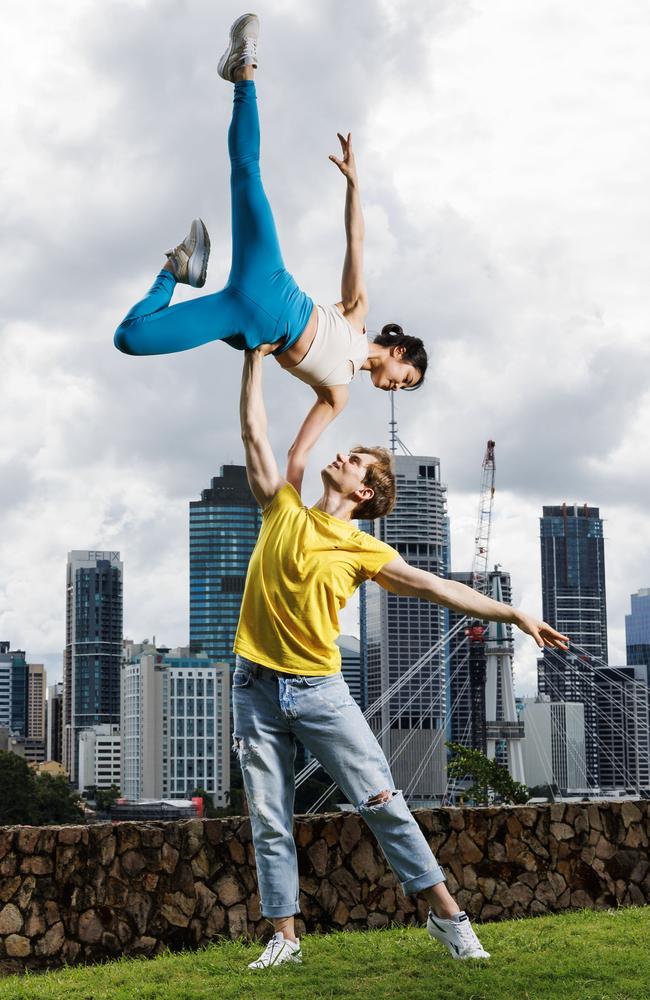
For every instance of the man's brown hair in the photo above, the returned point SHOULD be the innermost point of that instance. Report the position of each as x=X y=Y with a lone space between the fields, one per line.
x=380 y=477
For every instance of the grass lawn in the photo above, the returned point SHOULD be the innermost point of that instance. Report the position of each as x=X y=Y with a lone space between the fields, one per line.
x=578 y=956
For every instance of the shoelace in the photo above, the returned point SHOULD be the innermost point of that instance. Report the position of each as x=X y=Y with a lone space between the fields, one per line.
x=270 y=948
x=249 y=48
x=467 y=936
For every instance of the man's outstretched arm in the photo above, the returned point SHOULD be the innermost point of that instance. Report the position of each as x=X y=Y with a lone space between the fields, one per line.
x=262 y=469
x=400 y=578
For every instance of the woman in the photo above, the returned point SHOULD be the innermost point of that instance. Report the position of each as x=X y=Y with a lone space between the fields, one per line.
x=261 y=305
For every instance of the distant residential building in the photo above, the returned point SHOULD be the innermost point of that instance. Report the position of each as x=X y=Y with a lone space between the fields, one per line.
x=175 y=724
x=93 y=651
x=623 y=710
x=574 y=603
x=398 y=631
x=54 y=716
x=224 y=525
x=36 y=685
x=637 y=631
x=554 y=745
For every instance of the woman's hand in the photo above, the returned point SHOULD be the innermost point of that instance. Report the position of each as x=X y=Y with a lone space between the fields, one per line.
x=347 y=165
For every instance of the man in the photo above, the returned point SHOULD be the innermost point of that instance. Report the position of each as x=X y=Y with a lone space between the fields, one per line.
x=288 y=684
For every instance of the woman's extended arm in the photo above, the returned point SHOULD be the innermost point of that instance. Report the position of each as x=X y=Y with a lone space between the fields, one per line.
x=330 y=402
x=354 y=298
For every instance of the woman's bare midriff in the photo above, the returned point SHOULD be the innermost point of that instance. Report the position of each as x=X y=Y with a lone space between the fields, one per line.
x=297 y=351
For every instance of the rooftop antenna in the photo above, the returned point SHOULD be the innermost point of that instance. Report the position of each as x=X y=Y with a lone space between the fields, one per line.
x=395 y=439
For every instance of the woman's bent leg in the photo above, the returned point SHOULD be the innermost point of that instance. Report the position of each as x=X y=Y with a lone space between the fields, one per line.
x=152 y=326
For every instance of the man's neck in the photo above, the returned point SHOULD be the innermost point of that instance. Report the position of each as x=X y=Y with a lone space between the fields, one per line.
x=336 y=505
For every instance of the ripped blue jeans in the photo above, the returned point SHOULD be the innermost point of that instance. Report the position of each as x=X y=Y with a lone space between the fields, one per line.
x=272 y=709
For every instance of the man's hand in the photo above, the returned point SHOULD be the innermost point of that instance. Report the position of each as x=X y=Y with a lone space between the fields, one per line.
x=347 y=165
x=265 y=349
x=542 y=633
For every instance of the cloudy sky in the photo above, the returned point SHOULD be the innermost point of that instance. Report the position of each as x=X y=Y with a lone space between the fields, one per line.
x=503 y=148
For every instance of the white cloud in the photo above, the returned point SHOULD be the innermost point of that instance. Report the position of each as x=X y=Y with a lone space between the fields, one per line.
x=503 y=151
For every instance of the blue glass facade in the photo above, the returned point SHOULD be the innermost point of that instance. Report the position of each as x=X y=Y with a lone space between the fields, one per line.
x=637 y=631
x=574 y=602
x=224 y=525
x=93 y=652
x=19 y=692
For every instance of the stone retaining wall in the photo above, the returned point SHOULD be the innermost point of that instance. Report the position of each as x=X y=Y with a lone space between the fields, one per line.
x=86 y=893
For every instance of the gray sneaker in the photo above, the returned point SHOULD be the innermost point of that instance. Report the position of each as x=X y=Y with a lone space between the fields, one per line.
x=278 y=951
x=242 y=50
x=190 y=258
x=457 y=934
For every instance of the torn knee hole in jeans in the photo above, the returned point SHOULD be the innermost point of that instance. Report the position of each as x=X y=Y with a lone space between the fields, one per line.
x=380 y=799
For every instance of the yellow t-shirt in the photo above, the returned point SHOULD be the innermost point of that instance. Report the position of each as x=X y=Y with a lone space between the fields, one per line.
x=305 y=566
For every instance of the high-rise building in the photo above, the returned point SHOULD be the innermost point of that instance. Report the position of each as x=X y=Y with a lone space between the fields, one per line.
x=574 y=603
x=6 y=678
x=397 y=631
x=175 y=724
x=54 y=715
x=637 y=631
x=99 y=757
x=623 y=709
x=351 y=666
x=554 y=745
x=224 y=525
x=13 y=689
x=36 y=683
x=93 y=651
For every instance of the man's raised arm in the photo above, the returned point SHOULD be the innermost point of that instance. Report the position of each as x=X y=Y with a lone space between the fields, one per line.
x=261 y=467
x=400 y=578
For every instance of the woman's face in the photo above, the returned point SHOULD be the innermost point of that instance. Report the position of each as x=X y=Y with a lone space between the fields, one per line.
x=393 y=373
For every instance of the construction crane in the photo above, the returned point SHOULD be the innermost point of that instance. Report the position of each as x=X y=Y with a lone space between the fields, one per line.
x=483 y=522
x=490 y=649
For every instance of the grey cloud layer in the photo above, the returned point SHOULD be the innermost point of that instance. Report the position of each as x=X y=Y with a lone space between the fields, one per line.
x=121 y=141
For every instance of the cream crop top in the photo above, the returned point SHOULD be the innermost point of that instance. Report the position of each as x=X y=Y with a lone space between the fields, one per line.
x=336 y=352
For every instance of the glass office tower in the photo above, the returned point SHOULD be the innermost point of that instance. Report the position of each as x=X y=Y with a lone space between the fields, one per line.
x=574 y=602
x=224 y=525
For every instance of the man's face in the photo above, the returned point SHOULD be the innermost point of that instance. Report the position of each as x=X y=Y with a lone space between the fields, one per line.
x=347 y=472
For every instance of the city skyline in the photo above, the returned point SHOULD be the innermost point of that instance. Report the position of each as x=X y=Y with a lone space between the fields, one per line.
x=509 y=233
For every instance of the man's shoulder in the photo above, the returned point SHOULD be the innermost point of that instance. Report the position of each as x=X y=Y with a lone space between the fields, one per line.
x=285 y=498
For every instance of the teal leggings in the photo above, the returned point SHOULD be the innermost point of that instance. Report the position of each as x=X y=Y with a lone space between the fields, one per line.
x=261 y=303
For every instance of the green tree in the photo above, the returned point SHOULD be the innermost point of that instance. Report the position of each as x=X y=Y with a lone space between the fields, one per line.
x=18 y=803
x=31 y=799
x=487 y=775
x=548 y=792
x=105 y=798
x=56 y=801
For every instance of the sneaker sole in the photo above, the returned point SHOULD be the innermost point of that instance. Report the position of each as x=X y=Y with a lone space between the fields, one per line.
x=224 y=69
x=197 y=265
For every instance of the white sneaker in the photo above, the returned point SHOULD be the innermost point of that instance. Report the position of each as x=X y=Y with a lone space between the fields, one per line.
x=190 y=258
x=242 y=50
x=277 y=951
x=457 y=933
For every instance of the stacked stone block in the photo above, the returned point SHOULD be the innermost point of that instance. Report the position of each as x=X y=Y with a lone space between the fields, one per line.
x=86 y=893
